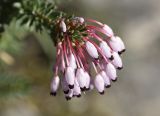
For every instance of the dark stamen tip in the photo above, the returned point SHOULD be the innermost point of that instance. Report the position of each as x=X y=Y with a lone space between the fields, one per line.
x=96 y=58
x=68 y=98
x=83 y=88
x=120 y=52
x=87 y=89
x=108 y=86
x=123 y=50
x=66 y=92
x=79 y=95
x=53 y=93
x=119 y=68
x=114 y=79
x=102 y=93
x=111 y=58
x=71 y=86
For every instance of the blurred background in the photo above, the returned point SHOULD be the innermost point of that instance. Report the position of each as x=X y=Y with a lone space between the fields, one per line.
x=26 y=61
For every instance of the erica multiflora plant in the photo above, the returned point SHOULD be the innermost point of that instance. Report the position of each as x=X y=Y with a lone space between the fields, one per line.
x=94 y=48
x=87 y=51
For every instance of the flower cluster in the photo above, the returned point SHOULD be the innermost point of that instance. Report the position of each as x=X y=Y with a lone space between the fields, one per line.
x=88 y=54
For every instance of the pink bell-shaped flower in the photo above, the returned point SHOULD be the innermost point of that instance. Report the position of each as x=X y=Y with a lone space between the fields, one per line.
x=81 y=78
x=99 y=83
x=54 y=85
x=111 y=72
x=70 y=75
x=106 y=79
x=63 y=26
x=105 y=49
x=91 y=49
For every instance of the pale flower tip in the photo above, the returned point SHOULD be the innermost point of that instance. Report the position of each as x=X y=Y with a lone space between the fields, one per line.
x=54 y=85
x=91 y=49
x=81 y=19
x=91 y=87
x=87 y=80
x=117 y=62
x=99 y=83
x=65 y=86
x=111 y=71
x=120 y=42
x=108 y=30
x=115 y=45
x=63 y=26
x=105 y=49
x=105 y=78
x=72 y=61
x=81 y=78
x=69 y=75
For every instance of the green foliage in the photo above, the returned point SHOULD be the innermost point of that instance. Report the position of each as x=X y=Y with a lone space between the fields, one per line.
x=11 y=39
x=13 y=84
x=7 y=12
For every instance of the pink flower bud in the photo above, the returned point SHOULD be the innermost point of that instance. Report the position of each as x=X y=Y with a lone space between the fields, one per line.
x=62 y=65
x=117 y=61
x=76 y=90
x=69 y=75
x=65 y=86
x=121 y=43
x=63 y=26
x=108 y=30
x=81 y=78
x=72 y=61
x=91 y=49
x=69 y=95
x=87 y=80
x=105 y=49
x=115 y=44
x=99 y=83
x=111 y=71
x=106 y=79
x=54 y=85
x=81 y=19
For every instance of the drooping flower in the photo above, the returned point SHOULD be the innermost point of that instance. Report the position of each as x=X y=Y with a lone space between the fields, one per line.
x=83 y=44
x=69 y=75
x=91 y=49
x=54 y=85
x=99 y=83
x=81 y=78
x=63 y=26
x=106 y=79
x=106 y=49
x=76 y=90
